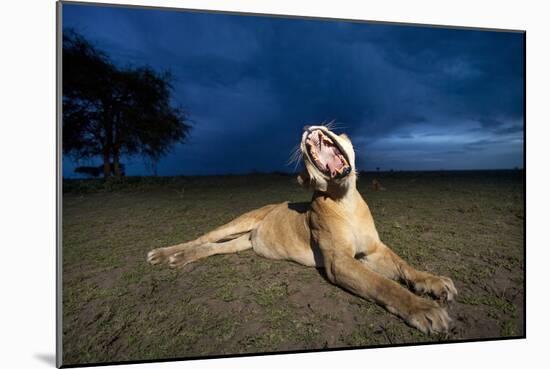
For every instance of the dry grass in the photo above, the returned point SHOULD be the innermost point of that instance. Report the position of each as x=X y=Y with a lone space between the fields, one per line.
x=116 y=307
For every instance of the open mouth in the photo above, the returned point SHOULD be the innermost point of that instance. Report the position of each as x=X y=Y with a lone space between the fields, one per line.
x=327 y=155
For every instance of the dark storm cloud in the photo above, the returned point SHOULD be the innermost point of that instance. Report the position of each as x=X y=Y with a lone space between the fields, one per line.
x=410 y=97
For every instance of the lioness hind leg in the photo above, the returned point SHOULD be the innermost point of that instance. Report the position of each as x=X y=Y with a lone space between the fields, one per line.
x=386 y=262
x=224 y=233
x=234 y=229
x=207 y=249
x=161 y=255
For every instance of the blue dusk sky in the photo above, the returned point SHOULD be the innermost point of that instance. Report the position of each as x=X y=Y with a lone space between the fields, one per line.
x=410 y=97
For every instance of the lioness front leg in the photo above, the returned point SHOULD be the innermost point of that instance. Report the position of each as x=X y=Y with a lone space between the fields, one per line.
x=384 y=261
x=349 y=273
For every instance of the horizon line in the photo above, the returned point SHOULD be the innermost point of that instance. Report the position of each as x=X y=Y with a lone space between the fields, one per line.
x=277 y=172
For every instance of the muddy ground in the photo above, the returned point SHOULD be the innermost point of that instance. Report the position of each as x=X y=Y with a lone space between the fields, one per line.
x=116 y=307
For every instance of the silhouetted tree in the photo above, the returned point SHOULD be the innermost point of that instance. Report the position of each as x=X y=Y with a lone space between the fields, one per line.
x=109 y=111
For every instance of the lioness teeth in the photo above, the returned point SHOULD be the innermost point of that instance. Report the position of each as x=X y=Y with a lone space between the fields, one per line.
x=326 y=154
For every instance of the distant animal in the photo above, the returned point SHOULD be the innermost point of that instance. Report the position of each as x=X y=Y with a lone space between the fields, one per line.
x=97 y=171
x=377 y=186
x=334 y=231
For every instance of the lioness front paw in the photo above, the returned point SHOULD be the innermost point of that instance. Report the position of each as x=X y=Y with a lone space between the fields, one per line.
x=441 y=287
x=157 y=256
x=429 y=317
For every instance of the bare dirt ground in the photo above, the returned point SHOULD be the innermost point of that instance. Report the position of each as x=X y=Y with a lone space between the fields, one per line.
x=116 y=307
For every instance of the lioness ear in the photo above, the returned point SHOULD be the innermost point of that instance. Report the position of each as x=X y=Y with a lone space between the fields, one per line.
x=345 y=136
x=304 y=179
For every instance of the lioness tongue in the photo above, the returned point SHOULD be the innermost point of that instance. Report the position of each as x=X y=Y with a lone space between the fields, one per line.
x=329 y=157
x=335 y=165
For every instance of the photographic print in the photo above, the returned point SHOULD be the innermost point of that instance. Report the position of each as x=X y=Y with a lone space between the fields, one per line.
x=245 y=184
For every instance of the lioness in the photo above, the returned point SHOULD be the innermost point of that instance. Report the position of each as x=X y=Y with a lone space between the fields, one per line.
x=334 y=231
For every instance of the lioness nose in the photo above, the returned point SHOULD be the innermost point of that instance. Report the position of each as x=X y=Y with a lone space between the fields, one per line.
x=306 y=127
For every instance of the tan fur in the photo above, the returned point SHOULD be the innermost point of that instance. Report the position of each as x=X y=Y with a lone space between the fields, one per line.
x=334 y=231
